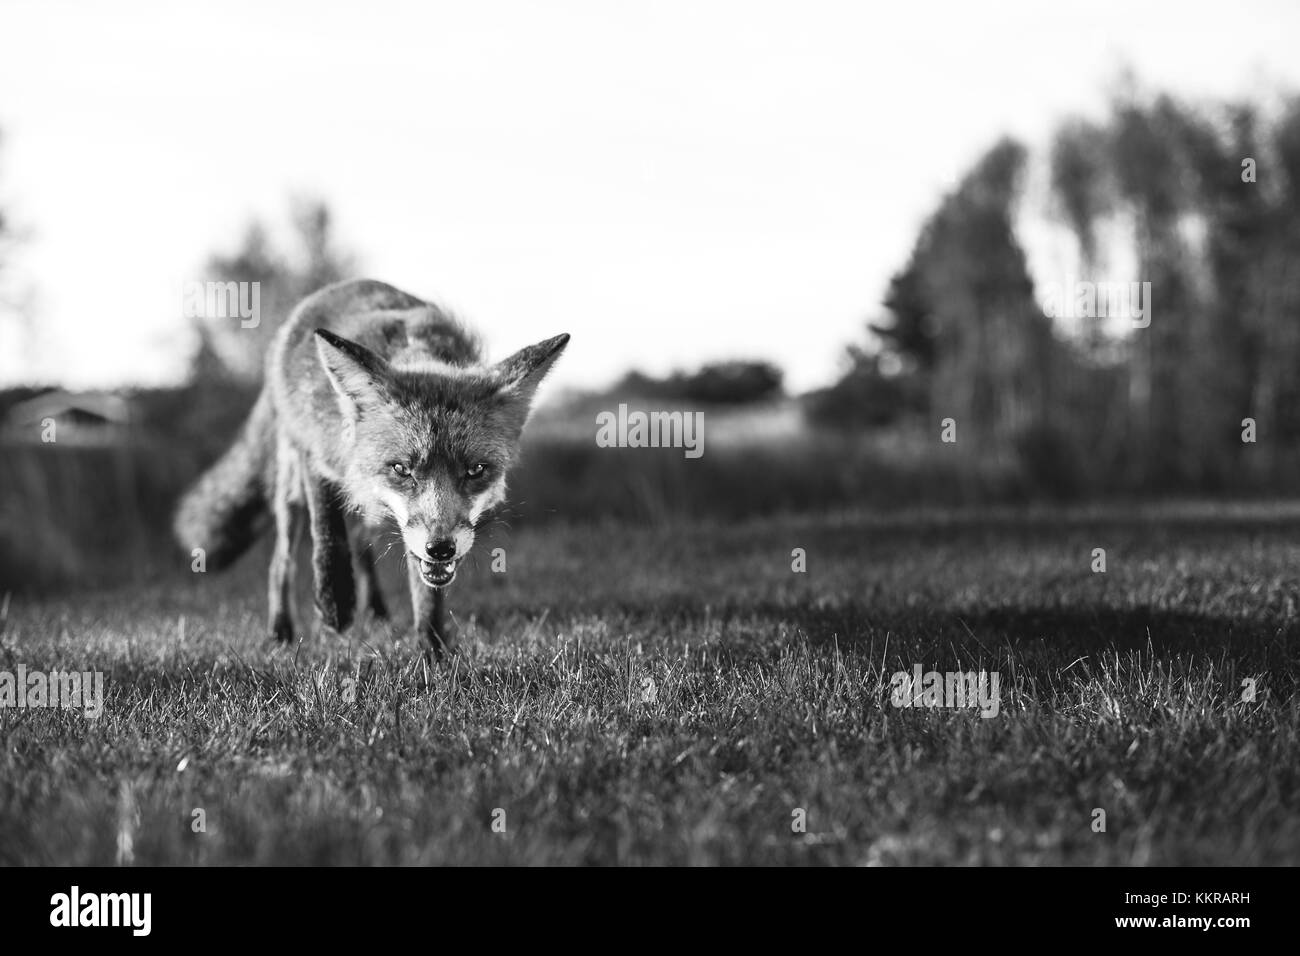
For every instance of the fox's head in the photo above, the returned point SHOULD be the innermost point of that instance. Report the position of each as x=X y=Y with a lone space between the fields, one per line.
x=430 y=447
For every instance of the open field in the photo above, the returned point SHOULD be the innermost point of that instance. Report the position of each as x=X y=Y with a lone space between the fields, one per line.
x=672 y=695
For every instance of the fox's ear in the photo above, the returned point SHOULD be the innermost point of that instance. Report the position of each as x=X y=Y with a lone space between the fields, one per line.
x=359 y=376
x=522 y=372
x=520 y=375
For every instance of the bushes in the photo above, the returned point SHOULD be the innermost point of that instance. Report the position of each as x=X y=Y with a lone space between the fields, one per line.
x=718 y=383
x=1050 y=462
x=85 y=514
x=865 y=399
x=95 y=515
x=90 y=514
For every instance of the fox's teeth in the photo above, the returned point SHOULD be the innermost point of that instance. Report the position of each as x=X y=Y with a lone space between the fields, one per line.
x=444 y=568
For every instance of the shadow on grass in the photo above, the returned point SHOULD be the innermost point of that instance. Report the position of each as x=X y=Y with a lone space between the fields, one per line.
x=1265 y=638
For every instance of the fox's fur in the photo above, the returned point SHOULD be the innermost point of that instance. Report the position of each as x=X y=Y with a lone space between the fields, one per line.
x=376 y=404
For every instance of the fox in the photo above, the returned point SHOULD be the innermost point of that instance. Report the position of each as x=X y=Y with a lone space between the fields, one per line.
x=377 y=409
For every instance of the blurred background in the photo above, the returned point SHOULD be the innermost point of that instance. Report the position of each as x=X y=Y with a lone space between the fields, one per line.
x=826 y=226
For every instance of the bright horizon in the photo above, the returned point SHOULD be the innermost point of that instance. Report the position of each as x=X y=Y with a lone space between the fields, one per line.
x=700 y=182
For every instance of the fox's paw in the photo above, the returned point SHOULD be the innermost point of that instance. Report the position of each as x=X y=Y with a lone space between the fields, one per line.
x=282 y=629
x=442 y=638
x=436 y=652
x=334 y=586
x=334 y=614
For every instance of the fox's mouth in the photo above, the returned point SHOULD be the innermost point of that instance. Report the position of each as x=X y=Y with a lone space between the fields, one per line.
x=436 y=574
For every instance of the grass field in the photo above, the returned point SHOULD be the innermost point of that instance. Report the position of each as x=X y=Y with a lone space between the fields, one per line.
x=673 y=695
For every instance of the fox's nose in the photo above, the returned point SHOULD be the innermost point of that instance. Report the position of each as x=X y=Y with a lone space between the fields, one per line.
x=441 y=550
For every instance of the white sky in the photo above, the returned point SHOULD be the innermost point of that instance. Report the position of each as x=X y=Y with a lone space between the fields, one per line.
x=670 y=182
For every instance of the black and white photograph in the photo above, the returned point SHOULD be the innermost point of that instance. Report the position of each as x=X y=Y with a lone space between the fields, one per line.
x=577 y=434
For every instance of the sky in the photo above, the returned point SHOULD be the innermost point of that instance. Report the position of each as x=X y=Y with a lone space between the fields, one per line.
x=671 y=183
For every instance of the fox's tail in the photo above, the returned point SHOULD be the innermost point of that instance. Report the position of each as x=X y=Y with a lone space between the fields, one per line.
x=227 y=508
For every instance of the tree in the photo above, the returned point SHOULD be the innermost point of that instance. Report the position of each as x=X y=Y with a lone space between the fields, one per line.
x=1223 y=340
x=962 y=314
x=227 y=349
x=15 y=298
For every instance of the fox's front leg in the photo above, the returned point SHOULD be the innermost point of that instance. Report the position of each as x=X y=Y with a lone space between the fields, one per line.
x=368 y=593
x=331 y=559
x=432 y=622
x=286 y=507
x=288 y=526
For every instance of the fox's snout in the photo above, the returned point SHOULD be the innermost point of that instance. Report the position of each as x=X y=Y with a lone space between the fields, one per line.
x=438 y=540
x=443 y=550
x=436 y=551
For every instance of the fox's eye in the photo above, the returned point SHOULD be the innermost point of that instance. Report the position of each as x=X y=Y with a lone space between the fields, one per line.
x=401 y=470
x=475 y=470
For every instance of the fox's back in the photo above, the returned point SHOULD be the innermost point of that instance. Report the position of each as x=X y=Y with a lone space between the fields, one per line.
x=403 y=329
x=394 y=324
